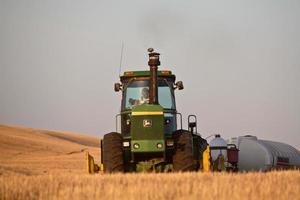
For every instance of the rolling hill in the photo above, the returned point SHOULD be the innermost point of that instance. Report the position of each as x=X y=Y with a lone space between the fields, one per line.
x=32 y=151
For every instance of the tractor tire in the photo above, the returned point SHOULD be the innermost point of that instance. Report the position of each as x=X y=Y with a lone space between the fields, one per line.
x=113 y=153
x=183 y=159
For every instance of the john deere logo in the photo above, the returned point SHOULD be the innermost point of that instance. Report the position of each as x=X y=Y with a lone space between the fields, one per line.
x=147 y=123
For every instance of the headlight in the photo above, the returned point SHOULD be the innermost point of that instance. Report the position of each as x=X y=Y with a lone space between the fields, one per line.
x=136 y=145
x=170 y=143
x=126 y=144
x=159 y=145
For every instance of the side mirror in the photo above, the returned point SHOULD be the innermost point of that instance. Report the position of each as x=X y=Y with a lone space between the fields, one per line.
x=118 y=87
x=179 y=85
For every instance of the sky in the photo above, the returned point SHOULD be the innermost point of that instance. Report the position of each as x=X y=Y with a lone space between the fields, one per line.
x=239 y=61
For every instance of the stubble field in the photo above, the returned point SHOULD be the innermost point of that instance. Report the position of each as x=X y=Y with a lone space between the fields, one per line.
x=39 y=164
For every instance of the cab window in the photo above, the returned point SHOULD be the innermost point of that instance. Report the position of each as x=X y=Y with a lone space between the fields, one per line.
x=137 y=93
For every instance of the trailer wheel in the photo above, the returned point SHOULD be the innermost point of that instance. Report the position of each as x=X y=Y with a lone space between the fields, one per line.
x=113 y=153
x=183 y=159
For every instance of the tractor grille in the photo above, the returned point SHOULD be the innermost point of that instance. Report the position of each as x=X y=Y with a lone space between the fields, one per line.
x=147 y=156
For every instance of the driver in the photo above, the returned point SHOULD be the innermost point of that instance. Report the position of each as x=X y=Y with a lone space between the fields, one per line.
x=144 y=98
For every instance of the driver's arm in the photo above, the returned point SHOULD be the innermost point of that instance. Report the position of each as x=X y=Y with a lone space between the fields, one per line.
x=133 y=101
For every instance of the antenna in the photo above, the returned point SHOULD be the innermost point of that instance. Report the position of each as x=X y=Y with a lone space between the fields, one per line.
x=121 y=59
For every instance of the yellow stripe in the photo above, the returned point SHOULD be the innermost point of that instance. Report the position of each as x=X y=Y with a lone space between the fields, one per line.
x=147 y=113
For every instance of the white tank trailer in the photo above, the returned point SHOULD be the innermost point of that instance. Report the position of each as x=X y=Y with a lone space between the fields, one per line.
x=264 y=155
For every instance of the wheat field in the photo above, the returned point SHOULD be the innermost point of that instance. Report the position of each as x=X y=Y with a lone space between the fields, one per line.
x=40 y=164
x=271 y=185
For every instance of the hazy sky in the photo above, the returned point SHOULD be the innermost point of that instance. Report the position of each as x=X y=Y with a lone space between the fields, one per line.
x=239 y=61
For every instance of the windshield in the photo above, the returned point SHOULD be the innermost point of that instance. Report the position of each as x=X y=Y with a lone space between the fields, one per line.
x=137 y=93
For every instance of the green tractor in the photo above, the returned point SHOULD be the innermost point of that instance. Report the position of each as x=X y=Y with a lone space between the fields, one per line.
x=149 y=138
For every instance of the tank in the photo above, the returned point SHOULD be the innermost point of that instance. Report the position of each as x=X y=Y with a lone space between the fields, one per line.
x=264 y=155
x=218 y=146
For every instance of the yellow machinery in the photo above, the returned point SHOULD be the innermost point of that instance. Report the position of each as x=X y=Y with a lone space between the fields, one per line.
x=91 y=167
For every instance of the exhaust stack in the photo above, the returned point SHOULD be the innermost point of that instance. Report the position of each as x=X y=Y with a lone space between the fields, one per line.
x=153 y=87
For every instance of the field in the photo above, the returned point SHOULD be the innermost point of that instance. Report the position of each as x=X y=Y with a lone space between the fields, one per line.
x=39 y=164
x=35 y=152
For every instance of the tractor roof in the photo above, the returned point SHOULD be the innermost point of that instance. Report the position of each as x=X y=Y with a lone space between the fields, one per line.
x=160 y=73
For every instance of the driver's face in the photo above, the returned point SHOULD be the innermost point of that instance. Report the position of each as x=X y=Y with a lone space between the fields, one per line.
x=145 y=93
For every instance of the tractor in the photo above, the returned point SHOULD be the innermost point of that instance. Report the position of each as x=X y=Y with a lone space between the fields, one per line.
x=151 y=137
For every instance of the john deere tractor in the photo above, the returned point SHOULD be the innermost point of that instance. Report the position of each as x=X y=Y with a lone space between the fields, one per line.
x=151 y=137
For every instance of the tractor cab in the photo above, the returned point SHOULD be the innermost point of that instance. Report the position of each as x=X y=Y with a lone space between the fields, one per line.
x=135 y=92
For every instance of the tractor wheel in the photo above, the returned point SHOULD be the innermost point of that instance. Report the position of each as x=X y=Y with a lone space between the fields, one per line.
x=113 y=153
x=183 y=159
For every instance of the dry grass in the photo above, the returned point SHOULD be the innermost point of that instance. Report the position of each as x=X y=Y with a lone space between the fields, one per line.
x=272 y=185
x=39 y=164
x=32 y=152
